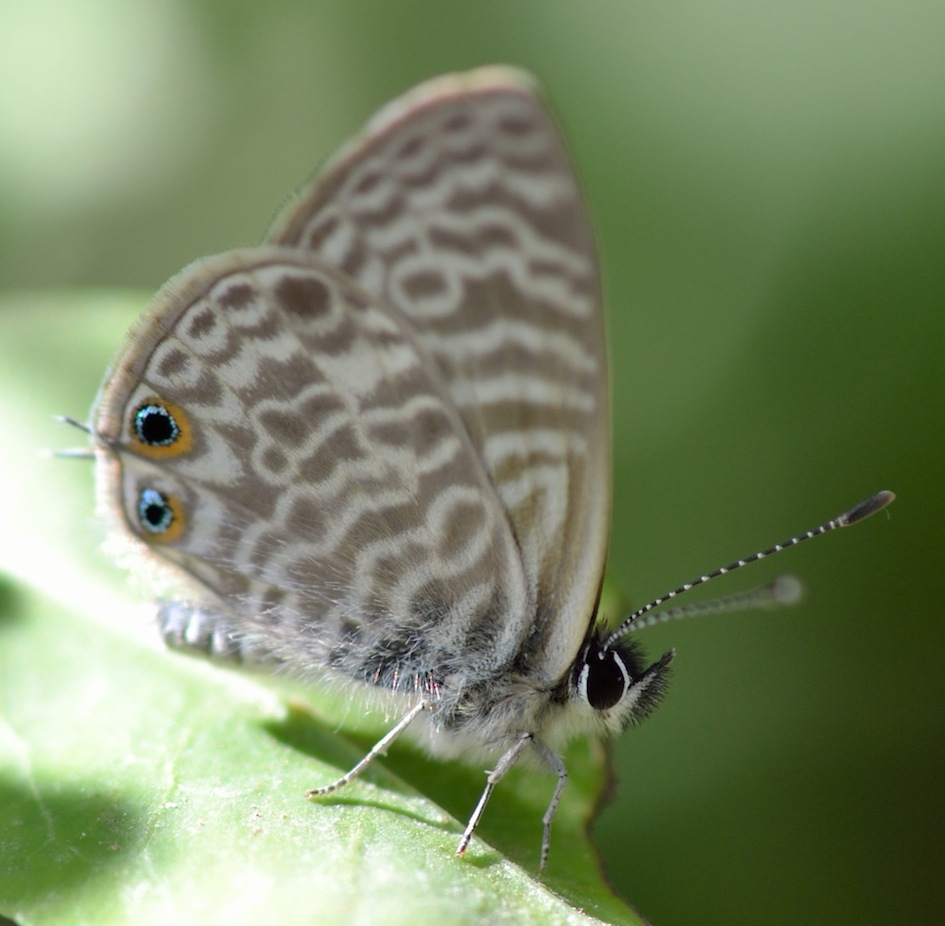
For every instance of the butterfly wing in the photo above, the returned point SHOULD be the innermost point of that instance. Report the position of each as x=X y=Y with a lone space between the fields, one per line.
x=458 y=208
x=281 y=437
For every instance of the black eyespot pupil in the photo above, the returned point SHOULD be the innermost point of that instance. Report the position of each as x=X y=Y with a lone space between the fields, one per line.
x=606 y=681
x=154 y=512
x=155 y=426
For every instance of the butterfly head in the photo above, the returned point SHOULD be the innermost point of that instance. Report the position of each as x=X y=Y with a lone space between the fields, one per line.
x=613 y=681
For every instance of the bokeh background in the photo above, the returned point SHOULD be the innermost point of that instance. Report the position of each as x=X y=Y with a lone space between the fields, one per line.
x=768 y=182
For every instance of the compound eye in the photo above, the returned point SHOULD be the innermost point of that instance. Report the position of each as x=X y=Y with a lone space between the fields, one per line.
x=604 y=679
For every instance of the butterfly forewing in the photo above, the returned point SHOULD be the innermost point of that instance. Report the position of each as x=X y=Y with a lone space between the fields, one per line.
x=326 y=491
x=459 y=209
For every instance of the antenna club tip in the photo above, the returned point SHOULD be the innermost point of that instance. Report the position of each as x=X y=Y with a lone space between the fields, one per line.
x=786 y=590
x=870 y=506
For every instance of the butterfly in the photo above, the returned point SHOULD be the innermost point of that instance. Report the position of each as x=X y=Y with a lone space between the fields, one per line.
x=375 y=449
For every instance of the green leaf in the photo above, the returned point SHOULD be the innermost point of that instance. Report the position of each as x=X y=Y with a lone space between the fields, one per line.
x=141 y=786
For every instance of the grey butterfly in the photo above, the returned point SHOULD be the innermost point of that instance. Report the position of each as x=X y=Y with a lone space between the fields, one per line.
x=376 y=447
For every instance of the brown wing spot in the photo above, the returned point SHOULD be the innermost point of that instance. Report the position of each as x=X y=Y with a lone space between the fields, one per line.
x=516 y=125
x=173 y=363
x=367 y=183
x=457 y=123
x=201 y=322
x=304 y=519
x=424 y=284
x=286 y=429
x=326 y=227
x=274 y=460
x=409 y=149
x=236 y=296
x=304 y=297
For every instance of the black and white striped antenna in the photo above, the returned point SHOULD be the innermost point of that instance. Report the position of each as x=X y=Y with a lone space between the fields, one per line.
x=786 y=590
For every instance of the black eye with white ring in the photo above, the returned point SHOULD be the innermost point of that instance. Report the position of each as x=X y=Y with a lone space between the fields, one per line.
x=603 y=679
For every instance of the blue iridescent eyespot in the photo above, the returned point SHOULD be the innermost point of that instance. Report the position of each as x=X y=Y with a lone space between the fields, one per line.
x=155 y=512
x=160 y=430
x=155 y=426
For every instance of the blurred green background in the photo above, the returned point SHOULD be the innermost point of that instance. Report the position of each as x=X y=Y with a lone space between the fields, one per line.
x=768 y=182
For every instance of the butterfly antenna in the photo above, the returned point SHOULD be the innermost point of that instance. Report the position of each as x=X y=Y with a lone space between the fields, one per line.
x=771 y=594
x=782 y=592
x=74 y=453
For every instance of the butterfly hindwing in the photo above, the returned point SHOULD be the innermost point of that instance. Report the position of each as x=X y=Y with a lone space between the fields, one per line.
x=307 y=467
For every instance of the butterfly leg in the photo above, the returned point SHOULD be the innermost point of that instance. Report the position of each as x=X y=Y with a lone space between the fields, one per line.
x=196 y=630
x=379 y=749
x=555 y=763
x=506 y=761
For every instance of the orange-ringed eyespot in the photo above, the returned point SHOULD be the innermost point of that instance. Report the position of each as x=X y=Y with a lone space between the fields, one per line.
x=155 y=426
x=159 y=429
x=155 y=512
